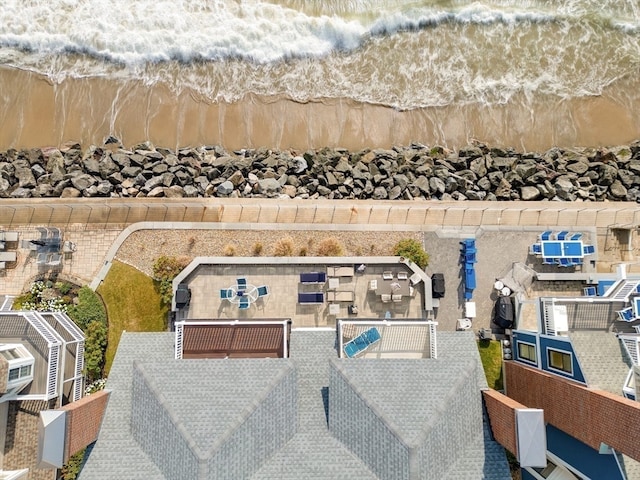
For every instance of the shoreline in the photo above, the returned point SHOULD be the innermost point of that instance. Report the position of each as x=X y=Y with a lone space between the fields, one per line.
x=88 y=110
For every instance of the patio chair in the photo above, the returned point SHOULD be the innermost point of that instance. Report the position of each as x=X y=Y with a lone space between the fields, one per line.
x=68 y=247
x=241 y=283
x=546 y=235
x=535 y=249
x=244 y=303
x=470 y=257
x=588 y=249
x=590 y=292
x=565 y=262
x=386 y=298
x=396 y=298
x=387 y=275
x=562 y=235
x=226 y=293
x=576 y=236
x=626 y=314
x=41 y=259
x=576 y=260
x=415 y=279
x=54 y=259
x=403 y=275
x=263 y=291
x=548 y=261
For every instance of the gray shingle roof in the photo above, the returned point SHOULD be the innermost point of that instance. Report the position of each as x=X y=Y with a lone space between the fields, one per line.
x=182 y=395
x=602 y=359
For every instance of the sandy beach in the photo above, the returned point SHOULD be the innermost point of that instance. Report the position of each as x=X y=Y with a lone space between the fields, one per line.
x=35 y=112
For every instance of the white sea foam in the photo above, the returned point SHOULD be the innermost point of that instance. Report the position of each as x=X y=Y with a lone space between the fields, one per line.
x=402 y=53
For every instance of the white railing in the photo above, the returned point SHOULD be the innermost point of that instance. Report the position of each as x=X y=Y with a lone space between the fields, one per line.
x=547 y=316
x=50 y=336
x=179 y=333
x=630 y=343
x=624 y=291
x=432 y=341
x=77 y=385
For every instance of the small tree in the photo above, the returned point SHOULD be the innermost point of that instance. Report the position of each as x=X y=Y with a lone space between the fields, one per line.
x=165 y=269
x=95 y=346
x=412 y=249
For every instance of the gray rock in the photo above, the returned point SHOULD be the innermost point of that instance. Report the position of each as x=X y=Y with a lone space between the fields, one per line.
x=627 y=177
x=159 y=168
x=104 y=187
x=478 y=166
x=476 y=195
x=379 y=193
x=225 y=188
x=484 y=183
x=564 y=188
x=131 y=171
x=70 y=192
x=607 y=174
x=268 y=186
x=21 y=192
x=83 y=181
x=471 y=151
x=529 y=193
x=24 y=175
x=618 y=190
x=437 y=185
x=395 y=192
x=156 y=192
x=504 y=190
x=495 y=178
x=504 y=163
x=300 y=164
x=174 y=191
x=343 y=165
x=578 y=167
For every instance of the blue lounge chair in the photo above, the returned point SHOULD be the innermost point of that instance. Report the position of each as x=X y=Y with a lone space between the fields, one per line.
x=468 y=294
x=576 y=236
x=263 y=291
x=548 y=261
x=468 y=243
x=626 y=315
x=562 y=235
x=226 y=293
x=470 y=279
x=311 y=297
x=313 y=277
x=576 y=260
x=588 y=249
x=546 y=235
x=241 y=283
x=536 y=249
x=361 y=342
x=244 y=303
x=590 y=292
x=470 y=257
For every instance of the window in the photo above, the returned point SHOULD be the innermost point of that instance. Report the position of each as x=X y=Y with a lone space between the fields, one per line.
x=19 y=372
x=25 y=371
x=527 y=351
x=14 y=374
x=560 y=361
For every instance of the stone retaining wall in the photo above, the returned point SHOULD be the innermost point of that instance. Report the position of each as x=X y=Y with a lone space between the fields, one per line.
x=475 y=172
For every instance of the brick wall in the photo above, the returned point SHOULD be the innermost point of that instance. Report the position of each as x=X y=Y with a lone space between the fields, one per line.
x=592 y=416
x=502 y=417
x=84 y=418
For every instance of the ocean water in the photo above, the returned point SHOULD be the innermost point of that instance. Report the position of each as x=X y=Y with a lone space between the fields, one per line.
x=406 y=55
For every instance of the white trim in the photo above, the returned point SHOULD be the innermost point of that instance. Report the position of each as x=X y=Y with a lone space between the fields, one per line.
x=547 y=349
x=535 y=352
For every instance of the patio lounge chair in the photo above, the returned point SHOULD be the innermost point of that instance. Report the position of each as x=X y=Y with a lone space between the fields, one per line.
x=54 y=259
x=263 y=291
x=590 y=291
x=340 y=271
x=546 y=235
x=42 y=259
x=548 y=261
x=470 y=257
x=562 y=235
x=588 y=249
x=626 y=315
x=361 y=342
x=468 y=243
x=226 y=293
x=396 y=298
x=241 y=283
x=535 y=249
x=387 y=275
x=342 y=296
x=576 y=236
x=244 y=303
x=470 y=279
x=386 y=298
x=565 y=262
x=311 y=298
x=402 y=275
x=313 y=277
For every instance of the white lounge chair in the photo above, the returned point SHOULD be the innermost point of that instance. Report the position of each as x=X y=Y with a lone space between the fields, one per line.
x=387 y=275
x=386 y=298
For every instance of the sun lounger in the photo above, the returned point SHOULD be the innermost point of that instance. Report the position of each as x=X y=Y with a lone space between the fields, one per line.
x=588 y=249
x=590 y=291
x=402 y=275
x=361 y=342
x=340 y=296
x=340 y=271
x=626 y=315
x=470 y=279
x=396 y=298
x=313 y=277
x=311 y=298
x=536 y=249
x=387 y=275
x=386 y=298
x=546 y=235
x=562 y=235
x=8 y=256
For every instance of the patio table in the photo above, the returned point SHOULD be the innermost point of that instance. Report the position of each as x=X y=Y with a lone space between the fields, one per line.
x=392 y=287
x=250 y=293
x=562 y=249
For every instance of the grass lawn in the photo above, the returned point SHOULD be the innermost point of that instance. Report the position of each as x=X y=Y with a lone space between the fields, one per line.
x=491 y=355
x=133 y=304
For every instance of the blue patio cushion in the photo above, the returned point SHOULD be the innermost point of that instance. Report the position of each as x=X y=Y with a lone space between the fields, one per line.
x=263 y=290
x=225 y=293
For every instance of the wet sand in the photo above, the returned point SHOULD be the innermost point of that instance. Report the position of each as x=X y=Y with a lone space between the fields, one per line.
x=36 y=113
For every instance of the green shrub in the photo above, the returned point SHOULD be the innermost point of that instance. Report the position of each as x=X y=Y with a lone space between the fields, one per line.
x=412 y=249
x=63 y=287
x=89 y=309
x=71 y=469
x=95 y=347
x=165 y=269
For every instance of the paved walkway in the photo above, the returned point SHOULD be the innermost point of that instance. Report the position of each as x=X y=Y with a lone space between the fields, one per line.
x=99 y=227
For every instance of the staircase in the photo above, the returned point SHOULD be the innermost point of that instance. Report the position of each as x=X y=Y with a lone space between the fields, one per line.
x=624 y=290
